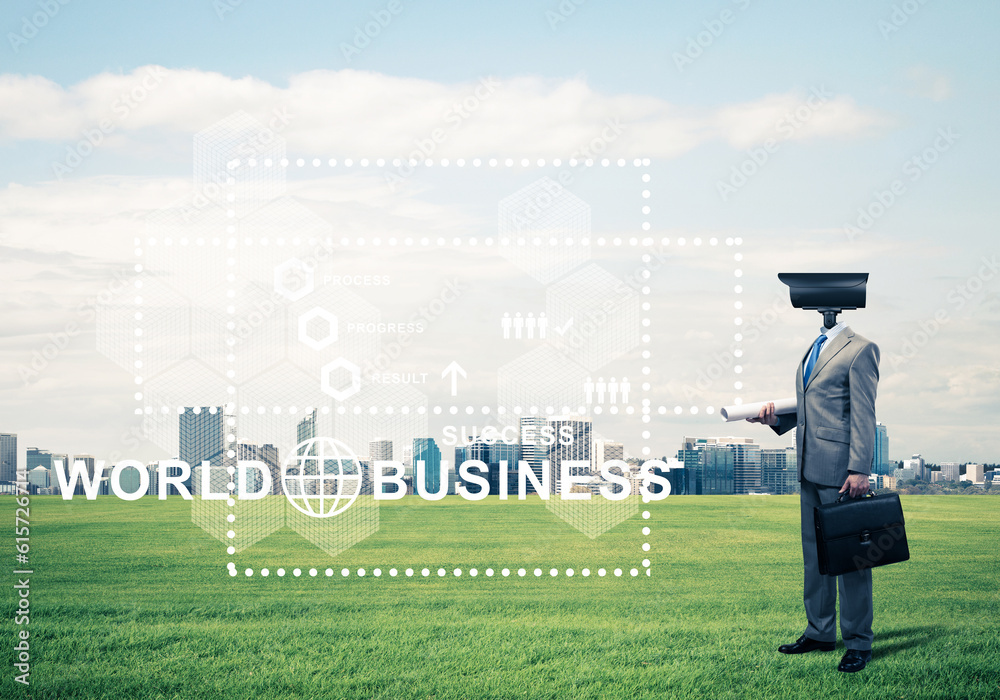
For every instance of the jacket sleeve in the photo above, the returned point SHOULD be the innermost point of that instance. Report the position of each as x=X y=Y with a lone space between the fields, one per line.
x=863 y=382
x=786 y=421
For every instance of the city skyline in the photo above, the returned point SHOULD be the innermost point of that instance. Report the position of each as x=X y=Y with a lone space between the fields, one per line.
x=876 y=165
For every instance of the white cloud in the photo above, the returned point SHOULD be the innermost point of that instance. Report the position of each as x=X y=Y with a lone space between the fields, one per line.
x=355 y=114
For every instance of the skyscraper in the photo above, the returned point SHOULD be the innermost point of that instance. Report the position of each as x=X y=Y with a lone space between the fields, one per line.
x=710 y=472
x=533 y=451
x=204 y=438
x=306 y=429
x=426 y=450
x=950 y=471
x=880 y=457
x=573 y=446
x=604 y=451
x=916 y=464
x=39 y=477
x=779 y=472
x=709 y=468
x=746 y=463
x=501 y=451
x=268 y=454
x=8 y=458
x=90 y=464
x=479 y=451
x=380 y=449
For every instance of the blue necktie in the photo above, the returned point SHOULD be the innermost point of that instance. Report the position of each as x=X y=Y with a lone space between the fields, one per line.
x=811 y=362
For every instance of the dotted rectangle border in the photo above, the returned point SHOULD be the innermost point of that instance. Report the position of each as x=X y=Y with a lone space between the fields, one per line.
x=632 y=241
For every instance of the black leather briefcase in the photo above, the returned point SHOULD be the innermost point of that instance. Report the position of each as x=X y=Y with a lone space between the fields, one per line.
x=860 y=533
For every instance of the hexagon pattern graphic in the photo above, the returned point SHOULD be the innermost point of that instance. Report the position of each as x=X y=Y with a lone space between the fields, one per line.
x=317 y=328
x=605 y=314
x=232 y=309
x=223 y=171
x=533 y=216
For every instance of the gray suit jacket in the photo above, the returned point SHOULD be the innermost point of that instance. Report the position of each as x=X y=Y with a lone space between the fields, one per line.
x=835 y=415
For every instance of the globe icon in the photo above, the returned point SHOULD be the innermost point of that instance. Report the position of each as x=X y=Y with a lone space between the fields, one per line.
x=322 y=478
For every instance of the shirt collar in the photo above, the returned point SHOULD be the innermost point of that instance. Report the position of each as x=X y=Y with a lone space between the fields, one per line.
x=833 y=332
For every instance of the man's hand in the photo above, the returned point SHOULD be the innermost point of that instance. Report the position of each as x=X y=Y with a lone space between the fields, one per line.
x=856 y=485
x=766 y=415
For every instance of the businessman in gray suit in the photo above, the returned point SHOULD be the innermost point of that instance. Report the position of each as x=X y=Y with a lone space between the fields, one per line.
x=835 y=385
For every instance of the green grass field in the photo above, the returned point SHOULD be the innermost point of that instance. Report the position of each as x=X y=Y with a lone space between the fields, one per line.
x=130 y=600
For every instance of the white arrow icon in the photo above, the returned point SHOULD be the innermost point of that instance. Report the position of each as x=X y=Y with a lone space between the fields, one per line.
x=454 y=369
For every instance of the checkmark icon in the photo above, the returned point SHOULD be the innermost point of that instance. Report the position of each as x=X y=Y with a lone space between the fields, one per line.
x=562 y=331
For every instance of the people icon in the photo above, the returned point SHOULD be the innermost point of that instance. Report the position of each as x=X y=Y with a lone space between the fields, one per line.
x=615 y=391
x=601 y=388
x=520 y=326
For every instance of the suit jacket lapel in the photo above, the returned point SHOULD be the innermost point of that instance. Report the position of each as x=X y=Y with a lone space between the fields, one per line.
x=837 y=344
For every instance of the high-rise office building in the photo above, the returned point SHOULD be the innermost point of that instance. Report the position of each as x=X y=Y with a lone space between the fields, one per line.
x=8 y=458
x=380 y=449
x=39 y=478
x=306 y=428
x=916 y=464
x=709 y=468
x=880 y=457
x=572 y=443
x=90 y=464
x=268 y=454
x=950 y=471
x=479 y=451
x=204 y=438
x=974 y=473
x=532 y=447
x=510 y=453
x=605 y=450
x=746 y=463
x=154 y=479
x=779 y=473
x=426 y=450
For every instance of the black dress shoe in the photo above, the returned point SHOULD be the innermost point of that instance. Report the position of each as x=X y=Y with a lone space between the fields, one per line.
x=803 y=644
x=855 y=660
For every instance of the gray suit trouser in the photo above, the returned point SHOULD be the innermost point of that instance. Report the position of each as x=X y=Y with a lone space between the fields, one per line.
x=820 y=590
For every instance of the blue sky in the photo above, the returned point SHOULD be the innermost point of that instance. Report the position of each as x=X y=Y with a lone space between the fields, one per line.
x=894 y=86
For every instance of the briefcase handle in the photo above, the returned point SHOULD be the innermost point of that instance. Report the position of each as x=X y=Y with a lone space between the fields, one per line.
x=870 y=493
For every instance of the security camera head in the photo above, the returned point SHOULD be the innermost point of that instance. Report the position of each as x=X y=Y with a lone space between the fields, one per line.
x=826 y=292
